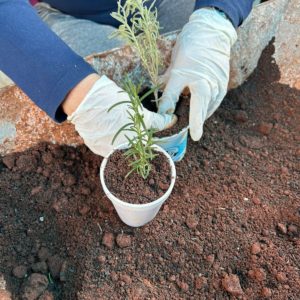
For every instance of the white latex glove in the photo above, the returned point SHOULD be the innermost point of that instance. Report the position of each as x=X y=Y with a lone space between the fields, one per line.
x=200 y=61
x=97 y=126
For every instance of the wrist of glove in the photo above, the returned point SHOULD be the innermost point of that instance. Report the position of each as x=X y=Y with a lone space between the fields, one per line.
x=200 y=61
x=98 y=127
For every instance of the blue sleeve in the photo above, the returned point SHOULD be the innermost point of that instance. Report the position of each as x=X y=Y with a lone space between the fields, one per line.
x=236 y=10
x=38 y=61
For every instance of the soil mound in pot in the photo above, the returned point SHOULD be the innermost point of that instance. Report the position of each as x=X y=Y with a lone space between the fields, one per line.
x=134 y=189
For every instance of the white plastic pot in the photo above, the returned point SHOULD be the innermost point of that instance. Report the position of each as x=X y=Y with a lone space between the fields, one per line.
x=137 y=215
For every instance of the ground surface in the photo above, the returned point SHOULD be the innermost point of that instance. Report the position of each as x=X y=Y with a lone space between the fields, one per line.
x=231 y=228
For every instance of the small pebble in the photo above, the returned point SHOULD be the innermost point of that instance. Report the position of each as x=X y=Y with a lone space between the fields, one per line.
x=231 y=284
x=20 y=271
x=282 y=228
x=123 y=240
x=108 y=240
x=255 y=248
x=281 y=277
x=266 y=292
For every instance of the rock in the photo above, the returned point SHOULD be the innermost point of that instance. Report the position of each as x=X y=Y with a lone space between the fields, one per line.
x=43 y=254
x=125 y=278
x=282 y=228
x=108 y=240
x=5 y=295
x=293 y=229
x=257 y=274
x=55 y=264
x=255 y=248
x=40 y=267
x=264 y=128
x=34 y=286
x=281 y=277
x=231 y=284
x=192 y=222
x=266 y=292
x=123 y=240
x=200 y=282
x=46 y=296
x=9 y=161
x=20 y=271
x=240 y=116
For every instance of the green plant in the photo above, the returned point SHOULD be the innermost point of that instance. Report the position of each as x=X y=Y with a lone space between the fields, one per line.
x=140 y=152
x=139 y=27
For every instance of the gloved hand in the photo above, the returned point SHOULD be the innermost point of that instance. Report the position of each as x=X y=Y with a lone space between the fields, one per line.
x=97 y=126
x=200 y=61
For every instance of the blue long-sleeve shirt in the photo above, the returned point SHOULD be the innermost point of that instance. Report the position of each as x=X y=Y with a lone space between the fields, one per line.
x=43 y=66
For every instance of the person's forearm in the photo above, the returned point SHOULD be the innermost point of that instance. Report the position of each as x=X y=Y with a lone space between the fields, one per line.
x=36 y=59
x=236 y=10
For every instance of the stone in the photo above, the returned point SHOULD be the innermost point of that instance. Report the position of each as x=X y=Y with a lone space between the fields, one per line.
x=231 y=284
x=255 y=248
x=266 y=292
x=34 y=286
x=257 y=274
x=126 y=278
x=46 y=296
x=281 y=277
x=123 y=240
x=293 y=229
x=108 y=240
x=282 y=228
x=20 y=271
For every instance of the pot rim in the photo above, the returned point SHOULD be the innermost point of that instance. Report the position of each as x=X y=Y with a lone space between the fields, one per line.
x=131 y=205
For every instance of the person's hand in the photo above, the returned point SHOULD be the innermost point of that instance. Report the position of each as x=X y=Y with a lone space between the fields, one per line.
x=200 y=61
x=98 y=127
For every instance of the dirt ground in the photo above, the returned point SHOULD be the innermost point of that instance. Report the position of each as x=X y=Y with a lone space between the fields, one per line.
x=231 y=228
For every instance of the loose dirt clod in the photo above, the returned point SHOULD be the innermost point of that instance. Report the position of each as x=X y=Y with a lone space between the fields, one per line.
x=108 y=240
x=255 y=248
x=282 y=228
x=20 y=271
x=231 y=284
x=34 y=286
x=266 y=292
x=40 y=267
x=123 y=240
x=5 y=295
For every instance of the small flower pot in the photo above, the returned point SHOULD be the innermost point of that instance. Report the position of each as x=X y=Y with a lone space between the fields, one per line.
x=136 y=215
x=175 y=145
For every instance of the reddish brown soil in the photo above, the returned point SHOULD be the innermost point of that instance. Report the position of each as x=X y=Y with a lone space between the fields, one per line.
x=134 y=189
x=231 y=225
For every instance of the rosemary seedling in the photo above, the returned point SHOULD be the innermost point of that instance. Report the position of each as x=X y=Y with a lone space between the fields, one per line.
x=140 y=152
x=139 y=27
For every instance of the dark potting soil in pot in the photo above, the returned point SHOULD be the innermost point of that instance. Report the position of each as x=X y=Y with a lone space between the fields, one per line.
x=134 y=189
x=182 y=112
